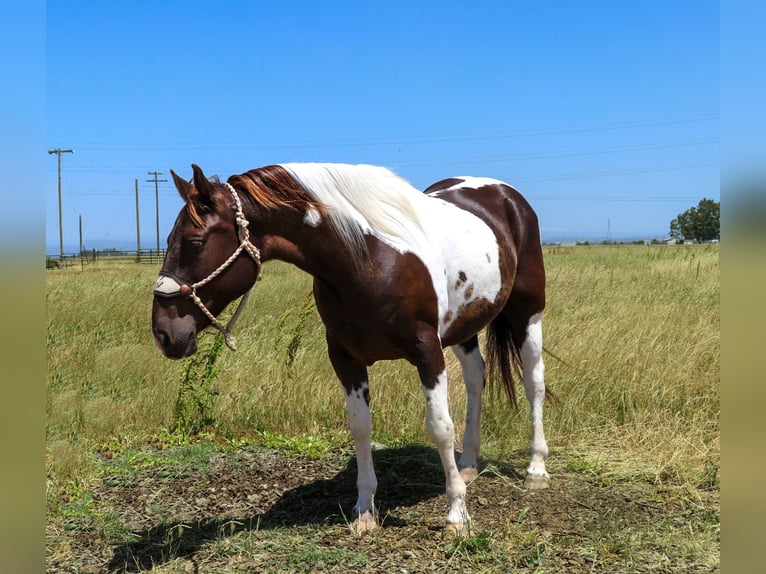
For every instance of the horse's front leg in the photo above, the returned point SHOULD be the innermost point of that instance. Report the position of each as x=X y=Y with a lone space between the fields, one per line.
x=433 y=376
x=353 y=376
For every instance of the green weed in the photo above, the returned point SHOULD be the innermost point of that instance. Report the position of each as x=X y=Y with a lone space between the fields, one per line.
x=194 y=407
x=312 y=558
x=311 y=446
x=289 y=336
x=478 y=545
x=582 y=466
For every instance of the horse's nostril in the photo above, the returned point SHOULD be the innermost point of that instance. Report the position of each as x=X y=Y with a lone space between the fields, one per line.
x=162 y=338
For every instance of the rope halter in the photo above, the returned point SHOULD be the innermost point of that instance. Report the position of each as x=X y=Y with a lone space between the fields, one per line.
x=169 y=285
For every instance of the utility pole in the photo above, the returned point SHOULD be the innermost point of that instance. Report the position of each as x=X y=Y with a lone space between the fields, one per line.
x=156 y=203
x=138 y=226
x=81 y=235
x=58 y=152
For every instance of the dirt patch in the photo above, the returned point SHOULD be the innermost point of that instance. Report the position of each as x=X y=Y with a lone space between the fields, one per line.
x=261 y=510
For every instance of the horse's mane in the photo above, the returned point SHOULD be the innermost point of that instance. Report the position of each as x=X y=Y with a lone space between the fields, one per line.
x=272 y=187
x=355 y=199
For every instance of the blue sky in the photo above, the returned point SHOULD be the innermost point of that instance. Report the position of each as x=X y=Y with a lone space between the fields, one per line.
x=605 y=115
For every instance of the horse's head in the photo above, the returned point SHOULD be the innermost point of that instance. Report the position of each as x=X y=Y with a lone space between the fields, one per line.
x=195 y=278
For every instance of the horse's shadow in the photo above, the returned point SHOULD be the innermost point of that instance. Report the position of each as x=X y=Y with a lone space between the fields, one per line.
x=406 y=475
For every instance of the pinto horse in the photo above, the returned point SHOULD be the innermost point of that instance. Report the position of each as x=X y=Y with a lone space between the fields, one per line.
x=398 y=274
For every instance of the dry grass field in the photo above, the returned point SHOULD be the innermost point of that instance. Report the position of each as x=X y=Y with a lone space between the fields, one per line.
x=243 y=464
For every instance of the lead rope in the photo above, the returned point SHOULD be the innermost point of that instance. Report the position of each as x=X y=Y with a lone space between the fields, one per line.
x=244 y=244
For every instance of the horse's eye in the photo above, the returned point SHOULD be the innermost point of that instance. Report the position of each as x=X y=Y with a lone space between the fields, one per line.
x=195 y=243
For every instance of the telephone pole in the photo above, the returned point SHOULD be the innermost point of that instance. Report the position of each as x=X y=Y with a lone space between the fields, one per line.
x=156 y=203
x=58 y=152
x=138 y=226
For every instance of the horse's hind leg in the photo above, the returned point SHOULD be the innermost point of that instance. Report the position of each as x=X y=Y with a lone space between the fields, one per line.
x=353 y=375
x=472 y=365
x=524 y=312
x=531 y=353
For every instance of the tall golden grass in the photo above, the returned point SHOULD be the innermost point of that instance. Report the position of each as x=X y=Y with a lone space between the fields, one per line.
x=636 y=327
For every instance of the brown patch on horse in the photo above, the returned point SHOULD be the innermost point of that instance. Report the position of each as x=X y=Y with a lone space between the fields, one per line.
x=472 y=318
x=348 y=309
x=443 y=184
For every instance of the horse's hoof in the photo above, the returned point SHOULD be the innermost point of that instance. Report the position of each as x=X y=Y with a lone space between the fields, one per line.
x=364 y=523
x=537 y=481
x=453 y=530
x=469 y=473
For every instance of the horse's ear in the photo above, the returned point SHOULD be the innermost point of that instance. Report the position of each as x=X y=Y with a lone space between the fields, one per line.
x=181 y=185
x=203 y=186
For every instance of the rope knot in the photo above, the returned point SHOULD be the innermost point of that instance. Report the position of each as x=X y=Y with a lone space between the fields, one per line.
x=230 y=341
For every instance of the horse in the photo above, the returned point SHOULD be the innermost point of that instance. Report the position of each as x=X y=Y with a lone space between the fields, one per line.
x=397 y=274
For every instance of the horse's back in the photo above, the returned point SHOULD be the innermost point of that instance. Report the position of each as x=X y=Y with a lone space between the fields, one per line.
x=497 y=203
x=515 y=225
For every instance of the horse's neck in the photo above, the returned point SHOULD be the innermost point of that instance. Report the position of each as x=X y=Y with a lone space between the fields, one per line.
x=314 y=249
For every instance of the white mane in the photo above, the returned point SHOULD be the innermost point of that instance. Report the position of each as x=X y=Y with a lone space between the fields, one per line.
x=364 y=198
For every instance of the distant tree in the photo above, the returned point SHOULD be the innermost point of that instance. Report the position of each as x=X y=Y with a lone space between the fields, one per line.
x=700 y=223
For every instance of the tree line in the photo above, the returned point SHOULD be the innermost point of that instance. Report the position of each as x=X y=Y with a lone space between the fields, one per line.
x=699 y=223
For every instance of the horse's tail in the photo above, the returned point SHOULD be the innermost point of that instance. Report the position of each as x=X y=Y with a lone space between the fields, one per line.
x=502 y=356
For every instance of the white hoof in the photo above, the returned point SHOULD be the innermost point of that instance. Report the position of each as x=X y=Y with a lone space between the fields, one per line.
x=537 y=481
x=364 y=523
x=454 y=530
x=469 y=473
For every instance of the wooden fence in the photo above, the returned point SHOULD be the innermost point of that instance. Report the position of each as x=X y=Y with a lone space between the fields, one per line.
x=150 y=256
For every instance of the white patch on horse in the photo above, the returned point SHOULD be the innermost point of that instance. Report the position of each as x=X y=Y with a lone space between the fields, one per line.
x=472 y=365
x=531 y=355
x=470 y=258
x=442 y=432
x=312 y=218
x=360 y=423
x=475 y=182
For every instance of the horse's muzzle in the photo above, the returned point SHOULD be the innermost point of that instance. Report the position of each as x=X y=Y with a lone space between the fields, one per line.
x=175 y=335
x=175 y=348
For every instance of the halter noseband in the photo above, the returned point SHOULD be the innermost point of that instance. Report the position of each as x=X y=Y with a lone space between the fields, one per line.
x=168 y=285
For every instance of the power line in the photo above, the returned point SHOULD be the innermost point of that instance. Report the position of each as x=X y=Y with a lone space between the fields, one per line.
x=401 y=139
x=616 y=172
x=523 y=156
x=546 y=155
